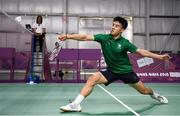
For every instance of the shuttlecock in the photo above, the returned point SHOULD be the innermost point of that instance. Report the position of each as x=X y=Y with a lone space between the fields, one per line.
x=18 y=18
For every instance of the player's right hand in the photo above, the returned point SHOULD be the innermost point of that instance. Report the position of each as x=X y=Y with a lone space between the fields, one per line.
x=62 y=37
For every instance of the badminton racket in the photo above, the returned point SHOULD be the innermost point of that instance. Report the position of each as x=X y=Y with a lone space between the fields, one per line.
x=53 y=55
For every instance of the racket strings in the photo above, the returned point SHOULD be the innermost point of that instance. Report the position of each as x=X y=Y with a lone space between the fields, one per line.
x=55 y=51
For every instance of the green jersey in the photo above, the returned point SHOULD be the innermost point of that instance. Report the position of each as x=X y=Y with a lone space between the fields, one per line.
x=115 y=52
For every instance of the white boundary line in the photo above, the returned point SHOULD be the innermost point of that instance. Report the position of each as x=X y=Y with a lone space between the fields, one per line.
x=119 y=101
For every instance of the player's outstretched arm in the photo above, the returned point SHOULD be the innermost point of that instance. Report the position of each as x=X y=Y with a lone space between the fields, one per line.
x=147 y=53
x=79 y=37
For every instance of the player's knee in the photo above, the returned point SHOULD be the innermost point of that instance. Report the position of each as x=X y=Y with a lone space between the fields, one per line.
x=92 y=81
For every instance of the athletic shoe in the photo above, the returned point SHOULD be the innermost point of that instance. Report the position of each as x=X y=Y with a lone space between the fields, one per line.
x=159 y=98
x=72 y=107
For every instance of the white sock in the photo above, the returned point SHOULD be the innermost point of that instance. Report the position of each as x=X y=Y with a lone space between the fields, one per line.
x=78 y=99
x=155 y=94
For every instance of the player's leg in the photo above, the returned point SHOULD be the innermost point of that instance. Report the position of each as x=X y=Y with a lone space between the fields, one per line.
x=96 y=78
x=141 y=88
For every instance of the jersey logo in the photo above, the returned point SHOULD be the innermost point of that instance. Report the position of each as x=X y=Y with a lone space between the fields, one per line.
x=119 y=46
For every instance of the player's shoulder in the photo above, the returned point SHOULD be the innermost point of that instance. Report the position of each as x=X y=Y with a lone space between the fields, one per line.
x=101 y=36
x=125 y=40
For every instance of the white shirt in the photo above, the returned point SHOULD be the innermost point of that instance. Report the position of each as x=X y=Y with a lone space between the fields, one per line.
x=38 y=28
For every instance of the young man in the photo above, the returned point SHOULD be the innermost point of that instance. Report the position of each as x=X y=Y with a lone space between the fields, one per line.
x=115 y=48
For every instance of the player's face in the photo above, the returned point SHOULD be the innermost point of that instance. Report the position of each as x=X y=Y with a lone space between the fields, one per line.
x=116 y=28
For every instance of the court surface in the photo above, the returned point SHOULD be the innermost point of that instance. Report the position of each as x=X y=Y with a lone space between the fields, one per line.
x=45 y=99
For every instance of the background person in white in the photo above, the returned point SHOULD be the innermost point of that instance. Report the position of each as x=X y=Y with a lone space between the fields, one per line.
x=39 y=31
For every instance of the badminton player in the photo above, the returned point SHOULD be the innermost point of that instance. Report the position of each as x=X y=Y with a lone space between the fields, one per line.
x=115 y=48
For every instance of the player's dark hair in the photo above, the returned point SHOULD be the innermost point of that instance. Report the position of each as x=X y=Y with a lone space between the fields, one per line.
x=122 y=21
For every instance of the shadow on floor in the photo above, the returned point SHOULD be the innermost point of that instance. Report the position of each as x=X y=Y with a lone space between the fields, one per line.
x=114 y=113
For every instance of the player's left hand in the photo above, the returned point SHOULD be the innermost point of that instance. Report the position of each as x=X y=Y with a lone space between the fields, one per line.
x=165 y=57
